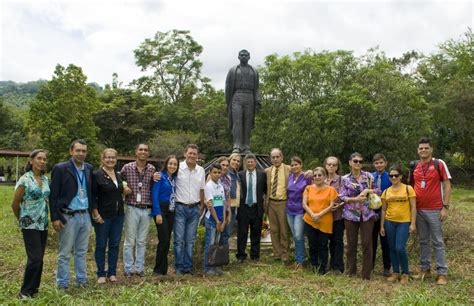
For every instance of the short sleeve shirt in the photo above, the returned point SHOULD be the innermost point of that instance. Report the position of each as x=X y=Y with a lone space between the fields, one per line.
x=317 y=201
x=215 y=192
x=34 y=205
x=398 y=204
x=430 y=197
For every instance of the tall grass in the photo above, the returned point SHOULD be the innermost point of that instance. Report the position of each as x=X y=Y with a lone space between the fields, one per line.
x=263 y=283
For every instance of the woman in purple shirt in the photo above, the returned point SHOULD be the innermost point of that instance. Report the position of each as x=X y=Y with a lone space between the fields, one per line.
x=357 y=214
x=336 y=240
x=294 y=208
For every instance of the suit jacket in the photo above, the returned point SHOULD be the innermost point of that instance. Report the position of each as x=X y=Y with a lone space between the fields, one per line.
x=268 y=172
x=64 y=188
x=261 y=189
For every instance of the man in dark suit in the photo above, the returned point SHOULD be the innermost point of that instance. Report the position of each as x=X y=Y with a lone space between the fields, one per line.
x=250 y=212
x=70 y=202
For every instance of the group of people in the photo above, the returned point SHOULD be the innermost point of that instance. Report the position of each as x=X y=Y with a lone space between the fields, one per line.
x=321 y=203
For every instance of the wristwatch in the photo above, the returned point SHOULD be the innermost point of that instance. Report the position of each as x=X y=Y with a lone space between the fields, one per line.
x=446 y=206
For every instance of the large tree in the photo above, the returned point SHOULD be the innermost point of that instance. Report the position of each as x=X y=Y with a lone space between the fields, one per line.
x=170 y=61
x=447 y=81
x=125 y=118
x=63 y=111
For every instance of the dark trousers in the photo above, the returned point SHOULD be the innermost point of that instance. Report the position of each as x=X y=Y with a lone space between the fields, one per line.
x=35 y=245
x=164 y=231
x=385 y=246
x=336 y=246
x=108 y=234
x=318 y=248
x=248 y=217
x=352 y=234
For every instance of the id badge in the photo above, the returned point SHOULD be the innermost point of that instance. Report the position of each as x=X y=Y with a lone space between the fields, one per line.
x=423 y=184
x=139 y=197
x=82 y=194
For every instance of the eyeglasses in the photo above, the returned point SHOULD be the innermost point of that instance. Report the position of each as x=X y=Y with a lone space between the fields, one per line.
x=394 y=175
x=318 y=175
x=358 y=161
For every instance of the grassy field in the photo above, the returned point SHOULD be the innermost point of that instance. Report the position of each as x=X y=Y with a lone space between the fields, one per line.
x=266 y=282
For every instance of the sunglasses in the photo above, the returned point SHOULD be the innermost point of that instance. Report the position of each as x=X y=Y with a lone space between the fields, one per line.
x=357 y=161
x=394 y=175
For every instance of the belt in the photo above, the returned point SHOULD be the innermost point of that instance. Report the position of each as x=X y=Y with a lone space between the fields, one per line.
x=277 y=200
x=244 y=91
x=72 y=212
x=141 y=206
x=192 y=205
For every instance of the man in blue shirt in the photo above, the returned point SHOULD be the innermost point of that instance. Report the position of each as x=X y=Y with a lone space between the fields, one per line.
x=70 y=202
x=383 y=182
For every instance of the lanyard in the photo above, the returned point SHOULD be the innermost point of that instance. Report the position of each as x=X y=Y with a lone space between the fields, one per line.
x=78 y=174
x=172 y=183
x=426 y=169
x=141 y=176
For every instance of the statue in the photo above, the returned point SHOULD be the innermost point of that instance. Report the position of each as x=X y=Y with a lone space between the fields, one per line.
x=243 y=100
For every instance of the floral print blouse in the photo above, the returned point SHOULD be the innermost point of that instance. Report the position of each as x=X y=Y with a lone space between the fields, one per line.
x=34 y=205
x=350 y=188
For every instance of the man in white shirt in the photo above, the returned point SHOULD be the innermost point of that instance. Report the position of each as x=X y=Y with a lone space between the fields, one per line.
x=190 y=185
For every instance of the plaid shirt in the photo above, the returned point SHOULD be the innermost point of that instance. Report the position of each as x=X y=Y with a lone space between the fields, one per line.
x=130 y=174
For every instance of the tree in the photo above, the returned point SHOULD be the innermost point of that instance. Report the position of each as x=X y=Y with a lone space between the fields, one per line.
x=63 y=111
x=446 y=79
x=171 y=61
x=125 y=118
x=12 y=126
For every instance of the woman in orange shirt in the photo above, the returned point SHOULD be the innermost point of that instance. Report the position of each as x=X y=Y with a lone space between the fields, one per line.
x=318 y=199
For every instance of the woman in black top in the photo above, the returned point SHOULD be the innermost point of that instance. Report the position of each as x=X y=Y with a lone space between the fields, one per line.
x=108 y=215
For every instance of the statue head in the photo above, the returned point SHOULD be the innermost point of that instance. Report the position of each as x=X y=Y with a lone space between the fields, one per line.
x=244 y=56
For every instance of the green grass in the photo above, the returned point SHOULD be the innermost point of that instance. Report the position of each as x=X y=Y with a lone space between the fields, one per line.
x=264 y=283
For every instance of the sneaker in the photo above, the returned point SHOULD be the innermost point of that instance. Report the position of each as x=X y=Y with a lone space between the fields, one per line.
x=179 y=273
x=101 y=280
x=386 y=272
x=211 y=272
x=393 y=278
x=219 y=271
x=128 y=275
x=23 y=296
x=442 y=280
x=422 y=275
x=404 y=279
x=140 y=274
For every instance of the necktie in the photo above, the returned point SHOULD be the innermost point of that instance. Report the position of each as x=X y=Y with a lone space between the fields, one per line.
x=275 y=183
x=379 y=183
x=250 y=190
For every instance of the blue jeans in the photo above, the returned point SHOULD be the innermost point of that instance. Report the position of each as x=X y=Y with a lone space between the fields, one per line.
x=229 y=227
x=209 y=240
x=185 y=230
x=137 y=223
x=109 y=232
x=429 y=227
x=296 y=224
x=397 y=235
x=73 y=240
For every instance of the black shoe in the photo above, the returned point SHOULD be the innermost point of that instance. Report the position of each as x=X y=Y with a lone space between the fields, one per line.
x=140 y=274
x=241 y=260
x=255 y=259
x=128 y=275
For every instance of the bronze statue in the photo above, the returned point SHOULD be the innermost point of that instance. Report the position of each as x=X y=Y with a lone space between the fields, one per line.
x=243 y=100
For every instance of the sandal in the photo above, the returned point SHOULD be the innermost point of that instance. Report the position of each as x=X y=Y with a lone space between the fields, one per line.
x=113 y=279
x=101 y=280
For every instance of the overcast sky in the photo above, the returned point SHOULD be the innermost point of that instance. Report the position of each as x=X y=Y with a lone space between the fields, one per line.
x=100 y=36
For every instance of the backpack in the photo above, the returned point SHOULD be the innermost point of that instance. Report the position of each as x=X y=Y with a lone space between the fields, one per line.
x=414 y=164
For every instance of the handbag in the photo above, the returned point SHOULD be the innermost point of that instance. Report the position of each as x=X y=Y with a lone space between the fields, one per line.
x=218 y=255
x=375 y=202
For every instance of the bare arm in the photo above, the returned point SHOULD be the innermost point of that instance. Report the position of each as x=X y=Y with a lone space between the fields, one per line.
x=17 y=197
x=413 y=214
x=446 y=198
x=382 y=217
